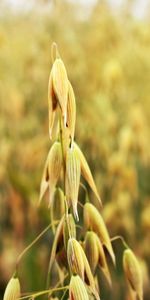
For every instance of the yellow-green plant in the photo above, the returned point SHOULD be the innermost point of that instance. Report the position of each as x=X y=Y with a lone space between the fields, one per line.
x=75 y=256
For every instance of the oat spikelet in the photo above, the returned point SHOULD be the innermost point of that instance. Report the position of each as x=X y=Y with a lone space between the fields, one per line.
x=77 y=289
x=71 y=111
x=93 y=220
x=86 y=173
x=133 y=273
x=45 y=180
x=60 y=85
x=12 y=291
x=72 y=179
x=78 y=264
x=75 y=259
x=91 y=250
x=95 y=254
x=54 y=167
x=52 y=105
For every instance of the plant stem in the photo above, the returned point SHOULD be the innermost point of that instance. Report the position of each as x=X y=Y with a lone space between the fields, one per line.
x=119 y=237
x=30 y=245
x=45 y=292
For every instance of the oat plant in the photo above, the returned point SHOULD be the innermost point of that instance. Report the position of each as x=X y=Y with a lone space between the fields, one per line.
x=81 y=239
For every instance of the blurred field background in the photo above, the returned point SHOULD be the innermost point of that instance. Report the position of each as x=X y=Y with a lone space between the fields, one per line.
x=106 y=51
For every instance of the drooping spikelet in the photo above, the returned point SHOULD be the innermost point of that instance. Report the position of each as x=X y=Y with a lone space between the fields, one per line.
x=72 y=178
x=52 y=105
x=86 y=172
x=77 y=289
x=78 y=264
x=60 y=85
x=95 y=254
x=54 y=167
x=52 y=171
x=91 y=250
x=71 y=111
x=133 y=273
x=75 y=257
x=45 y=180
x=93 y=220
x=12 y=291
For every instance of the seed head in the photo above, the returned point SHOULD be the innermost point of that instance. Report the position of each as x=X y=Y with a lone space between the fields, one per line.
x=71 y=111
x=78 y=264
x=45 y=180
x=86 y=172
x=75 y=258
x=133 y=272
x=95 y=254
x=72 y=179
x=77 y=289
x=12 y=291
x=91 y=250
x=54 y=167
x=52 y=105
x=93 y=220
x=60 y=85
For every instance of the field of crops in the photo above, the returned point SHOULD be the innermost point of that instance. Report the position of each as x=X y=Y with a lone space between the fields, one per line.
x=107 y=57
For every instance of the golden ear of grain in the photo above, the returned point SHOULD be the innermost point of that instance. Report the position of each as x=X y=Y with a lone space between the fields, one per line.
x=71 y=111
x=91 y=250
x=60 y=85
x=94 y=221
x=52 y=105
x=55 y=163
x=86 y=173
x=69 y=229
x=45 y=180
x=133 y=272
x=72 y=179
x=75 y=259
x=95 y=254
x=77 y=289
x=12 y=291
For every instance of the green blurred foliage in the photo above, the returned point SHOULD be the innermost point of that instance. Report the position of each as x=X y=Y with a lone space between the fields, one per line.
x=107 y=59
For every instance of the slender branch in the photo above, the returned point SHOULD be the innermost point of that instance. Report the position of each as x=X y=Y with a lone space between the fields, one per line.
x=45 y=292
x=119 y=237
x=31 y=244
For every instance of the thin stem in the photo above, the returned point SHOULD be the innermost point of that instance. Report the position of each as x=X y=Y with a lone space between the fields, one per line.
x=59 y=282
x=86 y=191
x=45 y=292
x=31 y=244
x=119 y=237
x=63 y=294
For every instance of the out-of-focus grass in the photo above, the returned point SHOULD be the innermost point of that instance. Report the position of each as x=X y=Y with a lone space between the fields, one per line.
x=108 y=64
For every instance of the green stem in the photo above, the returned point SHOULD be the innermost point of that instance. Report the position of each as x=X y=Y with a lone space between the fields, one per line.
x=45 y=292
x=30 y=245
x=119 y=237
